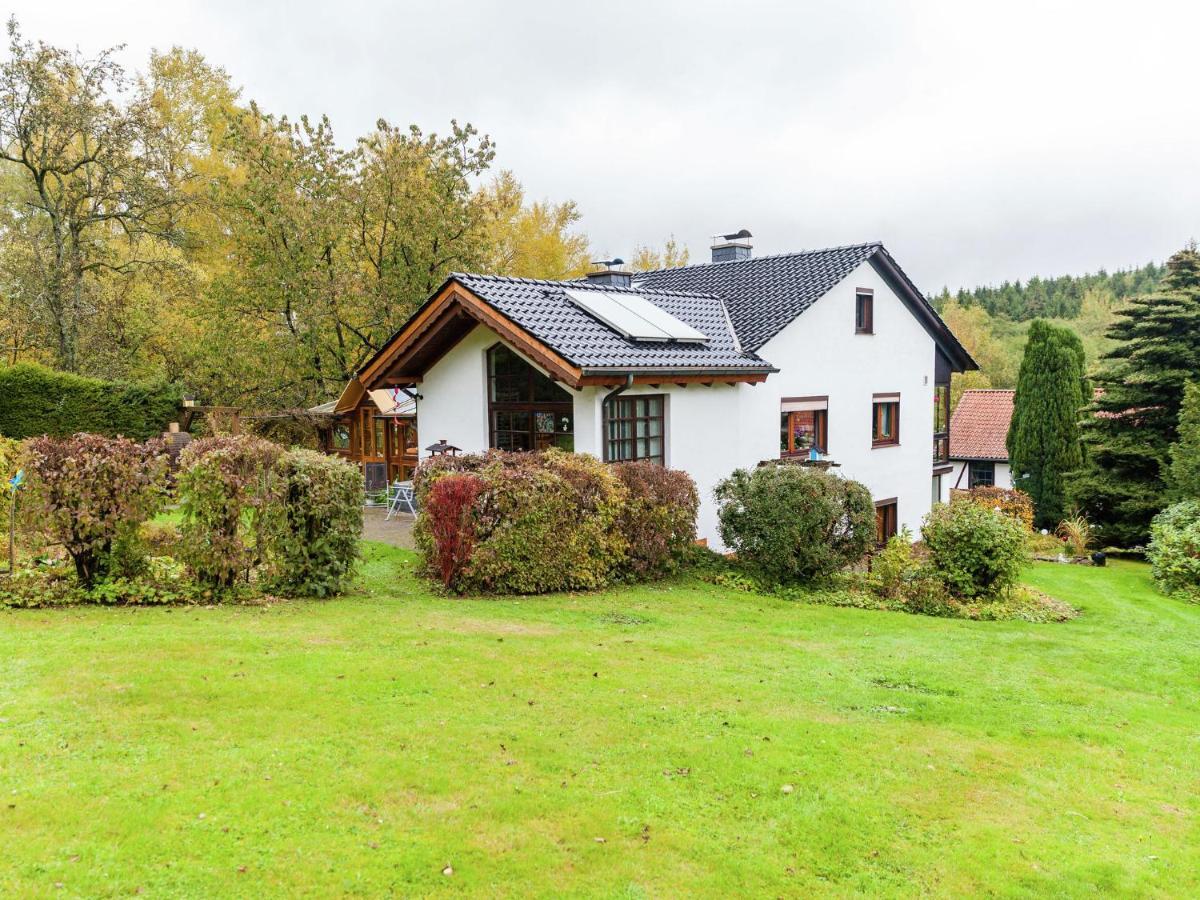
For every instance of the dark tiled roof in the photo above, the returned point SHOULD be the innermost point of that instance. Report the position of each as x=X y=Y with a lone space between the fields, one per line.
x=979 y=426
x=543 y=310
x=764 y=294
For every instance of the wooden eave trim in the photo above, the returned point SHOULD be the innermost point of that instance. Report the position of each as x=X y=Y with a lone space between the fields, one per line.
x=350 y=397
x=656 y=378
x=478 y=309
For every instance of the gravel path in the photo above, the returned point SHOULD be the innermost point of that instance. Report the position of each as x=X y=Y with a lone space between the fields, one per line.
x=397 y=532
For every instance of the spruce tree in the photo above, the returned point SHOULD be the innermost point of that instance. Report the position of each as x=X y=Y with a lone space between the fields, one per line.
x=1184 y=476
x=1043 y=439
x=1135 y=418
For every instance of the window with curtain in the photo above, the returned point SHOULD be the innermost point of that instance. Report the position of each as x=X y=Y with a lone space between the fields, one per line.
x=803 y=425
x=885 y=421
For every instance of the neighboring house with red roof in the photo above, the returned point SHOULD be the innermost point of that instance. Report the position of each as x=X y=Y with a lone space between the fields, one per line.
x=978 y=435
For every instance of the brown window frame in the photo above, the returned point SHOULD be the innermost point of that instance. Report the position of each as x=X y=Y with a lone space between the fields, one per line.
x=820 y=427
x=864 y=311
x=537 y=440
x=887 y=520
x=878 y=403
x=618 y=405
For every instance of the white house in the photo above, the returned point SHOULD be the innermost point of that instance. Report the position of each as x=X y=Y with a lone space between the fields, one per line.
x=704 y=368
x=978 y=436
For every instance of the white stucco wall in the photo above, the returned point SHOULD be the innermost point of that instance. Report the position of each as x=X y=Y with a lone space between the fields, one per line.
x=713 y=430
x=958 y=479
x=453 y=395
x=819 y=354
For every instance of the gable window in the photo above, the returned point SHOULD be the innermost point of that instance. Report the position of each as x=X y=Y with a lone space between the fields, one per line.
x=635 y=429
x=885 y=420
x=864 y=311
x=526 y=409
x=981 y=474
x=803 y=426
x=885 y=520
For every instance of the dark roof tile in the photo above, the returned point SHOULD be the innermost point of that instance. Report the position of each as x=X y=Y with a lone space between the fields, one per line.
x=764 y=294
x=543 y=310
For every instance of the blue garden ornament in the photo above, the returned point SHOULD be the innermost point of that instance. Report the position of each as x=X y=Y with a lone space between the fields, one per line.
x=17 y=481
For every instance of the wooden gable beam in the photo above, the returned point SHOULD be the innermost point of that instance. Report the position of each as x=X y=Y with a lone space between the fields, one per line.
x=419 y=332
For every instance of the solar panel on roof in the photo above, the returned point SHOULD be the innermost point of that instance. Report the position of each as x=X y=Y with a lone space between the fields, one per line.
x=634 y=316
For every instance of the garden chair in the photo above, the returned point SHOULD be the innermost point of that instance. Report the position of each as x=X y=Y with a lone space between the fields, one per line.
x=401 y=495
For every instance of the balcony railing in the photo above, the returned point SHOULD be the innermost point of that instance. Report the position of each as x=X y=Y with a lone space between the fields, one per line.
x=941 y=447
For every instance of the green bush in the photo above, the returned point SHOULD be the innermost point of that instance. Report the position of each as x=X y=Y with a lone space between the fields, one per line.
x=41 y=401
x=1174 y=550
x=542 y=522
x=90 y=492
x=795 y=523
x=895 y=567
x=11 y=453
x=658 y=517
x=226 y=485
x=313 y=528
x=976 y=552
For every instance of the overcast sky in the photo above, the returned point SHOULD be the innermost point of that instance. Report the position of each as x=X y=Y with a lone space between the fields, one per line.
x=979 y=141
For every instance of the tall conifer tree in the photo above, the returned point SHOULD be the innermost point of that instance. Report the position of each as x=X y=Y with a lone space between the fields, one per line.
x=1043 y=439
x=1184 y=476
x=1135 y=419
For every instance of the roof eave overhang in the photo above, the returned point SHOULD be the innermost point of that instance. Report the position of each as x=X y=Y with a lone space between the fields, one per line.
x=611 y=375
x=453 y=297
x=956 y=353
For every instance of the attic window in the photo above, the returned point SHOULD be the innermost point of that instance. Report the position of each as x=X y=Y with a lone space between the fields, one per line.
x=864 y=311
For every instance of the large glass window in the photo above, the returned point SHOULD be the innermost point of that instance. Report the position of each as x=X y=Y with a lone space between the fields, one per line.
x=635 y=428
x=526 y=409
x=802 y=431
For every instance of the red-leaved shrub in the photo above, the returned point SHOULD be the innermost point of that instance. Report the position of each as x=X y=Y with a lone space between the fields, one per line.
x=449 y=511
x=87 y=490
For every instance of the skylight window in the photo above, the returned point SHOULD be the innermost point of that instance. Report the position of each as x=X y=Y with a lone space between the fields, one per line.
x=634 y=316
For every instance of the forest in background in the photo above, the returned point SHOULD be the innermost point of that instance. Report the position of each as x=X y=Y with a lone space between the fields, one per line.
x=993 y=322
x=156 y=226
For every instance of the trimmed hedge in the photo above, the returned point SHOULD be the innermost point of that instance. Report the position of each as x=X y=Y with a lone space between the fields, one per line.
x=88 y=492
x=41 y=401
x=313 y=530
x=658 y=518
x=226 y=485
x=548 y=521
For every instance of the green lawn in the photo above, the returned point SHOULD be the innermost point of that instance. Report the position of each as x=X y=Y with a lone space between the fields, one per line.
x=632 y=743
